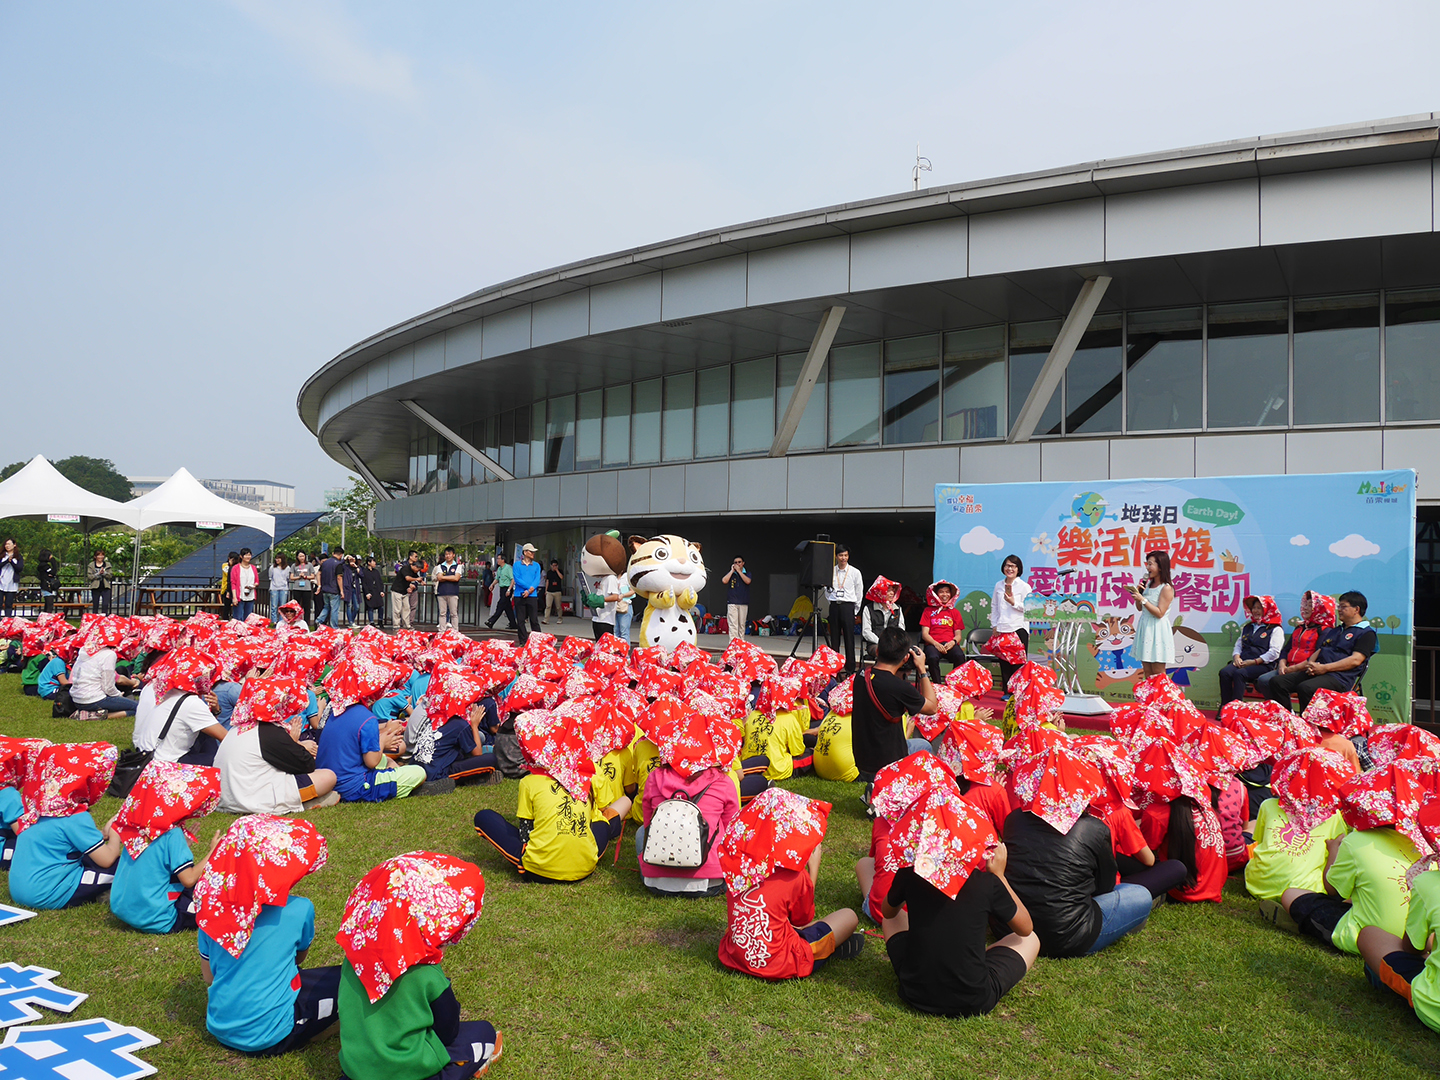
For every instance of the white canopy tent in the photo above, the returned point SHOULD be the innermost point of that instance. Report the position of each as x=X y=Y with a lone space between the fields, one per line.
x=41 y=490
x=183 y=498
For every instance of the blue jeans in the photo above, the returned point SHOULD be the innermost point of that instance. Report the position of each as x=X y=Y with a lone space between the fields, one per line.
x=914 y=746
x=330 y=615
x=1124 y=910
x=242 y=610
x=622 y=623
x=110 y=704
x=277 y=597
x=352 y=607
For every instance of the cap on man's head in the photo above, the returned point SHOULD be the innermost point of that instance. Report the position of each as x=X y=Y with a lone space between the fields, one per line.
x=530 y=548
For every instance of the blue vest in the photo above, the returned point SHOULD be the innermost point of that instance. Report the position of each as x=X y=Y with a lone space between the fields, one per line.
x=1255 y=641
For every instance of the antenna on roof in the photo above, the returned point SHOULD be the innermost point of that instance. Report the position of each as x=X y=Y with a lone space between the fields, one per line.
x=922 y=164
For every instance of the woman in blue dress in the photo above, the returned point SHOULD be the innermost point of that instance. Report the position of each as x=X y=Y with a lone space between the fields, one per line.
x=1154 y=638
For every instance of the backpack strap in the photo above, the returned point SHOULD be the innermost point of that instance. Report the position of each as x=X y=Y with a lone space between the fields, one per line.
x=173 y=713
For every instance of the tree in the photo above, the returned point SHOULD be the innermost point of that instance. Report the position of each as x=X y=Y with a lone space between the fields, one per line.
x=1393 y=622
x=97 y=475
x=1231 y=630
x=1377 y=623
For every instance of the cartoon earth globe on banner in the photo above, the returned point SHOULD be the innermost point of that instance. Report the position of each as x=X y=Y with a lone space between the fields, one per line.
x=1088 y=509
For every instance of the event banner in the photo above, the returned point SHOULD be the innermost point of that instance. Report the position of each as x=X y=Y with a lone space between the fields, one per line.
x=1229 y=537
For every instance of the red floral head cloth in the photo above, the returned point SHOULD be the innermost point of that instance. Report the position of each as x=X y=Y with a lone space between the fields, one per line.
x=842 y=697
x=238 y=656
x=778 y=831
x=603 y=725
x=970 y=749
x=943 y=837
x=604 y=665
x=827 y=660
x=881 y=589
x=655 y=681
x=1007 y=647
x=35 y=637
x=292 y=610
x=1220 y=752
x=902 y=783
x=1260 y=725
x=258 y=861
x=609 y=643
x=268 y=699
x=537 y=645
x=106 y=633
x=67 y=648
x=65 y=779
x=301 y=659
x=1391 y=795
x=1057 y=786
x=453 y=690
x=1318 y=610
x=16 y=758
x=747 y=660
x=778 y=694
x=688 y=741
x=1270 y=611
x=1039 y=699
x=361 y=678
x=687 y=653
x=932 y=601
x=1164 y=772
x=555 y=748
x=166 y=795
x=406 y=912
x=1400 y=742
x=1307 y=783
x=1344 y=714
x=1116 y=769
x=186 y=668
x=1157 y=689
x=13 y=626
x=971 y=679
x=527 y=692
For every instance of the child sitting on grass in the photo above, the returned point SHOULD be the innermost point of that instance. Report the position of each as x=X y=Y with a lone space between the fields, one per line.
x=1292 y=829
x=15 y=758
x=399 y=1019
x=770 y=857
x=156 y=874
x=353 y=745
x=254 y=936
x=61 y=858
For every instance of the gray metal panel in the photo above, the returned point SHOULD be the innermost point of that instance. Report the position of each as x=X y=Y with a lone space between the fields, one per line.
x=560 y=319
x=1260 y=454
x=632 y=302
x=430 y=508
x=1337 y=204
x=402 y=365
x=799 y=271
x=1206 y=217
x=1008 y=240
x=1137 y=458
x=387 y=514
x=490 y=502
x=573 y=495
x=707 y=486
x=470 y=504
x=758 y=483
x=1075 y=460
x=519 y=499
x=507 y=332
x=462 y=344
x=872 y=479
x=429 y=355
x=909 y=255
x=816 y=482
x=1413 y=448
x=603 y=497
x=996 y=463
x=1318 y=451
x=547 y=496
x=926 y=468
x=703 y=288
x=634 y=495
x=667 y=489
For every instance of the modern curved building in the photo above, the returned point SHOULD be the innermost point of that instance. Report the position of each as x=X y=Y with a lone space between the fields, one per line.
x=1269 y=305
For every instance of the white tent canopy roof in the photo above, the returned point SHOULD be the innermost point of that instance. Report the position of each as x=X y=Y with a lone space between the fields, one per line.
x=40 y=489
x=183 y=498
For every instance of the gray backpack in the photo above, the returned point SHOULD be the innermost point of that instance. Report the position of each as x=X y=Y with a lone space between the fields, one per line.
x=678 y=834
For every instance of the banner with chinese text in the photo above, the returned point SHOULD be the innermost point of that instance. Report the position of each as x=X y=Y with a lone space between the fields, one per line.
x=1227 y=538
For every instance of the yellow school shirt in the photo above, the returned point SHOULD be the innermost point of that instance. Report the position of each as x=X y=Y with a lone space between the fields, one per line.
x=613 y=774
x=1369 y=871
x=779 y=740
x=834 y=755
x=1422 y=922
x=1284 y=856
x=644 y=756
x=561 y=844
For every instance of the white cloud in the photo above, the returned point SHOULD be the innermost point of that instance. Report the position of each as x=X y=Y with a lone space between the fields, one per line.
x=1300 y=540
x=1354 y=546
x=979 y=541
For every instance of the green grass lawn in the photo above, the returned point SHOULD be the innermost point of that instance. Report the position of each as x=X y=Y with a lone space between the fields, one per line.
x=601 y=979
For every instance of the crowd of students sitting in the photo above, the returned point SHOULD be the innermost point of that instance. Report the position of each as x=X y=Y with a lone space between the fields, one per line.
x=1064 y=841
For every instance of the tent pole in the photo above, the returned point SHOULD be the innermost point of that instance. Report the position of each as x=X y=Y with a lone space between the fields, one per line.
x=135 y=575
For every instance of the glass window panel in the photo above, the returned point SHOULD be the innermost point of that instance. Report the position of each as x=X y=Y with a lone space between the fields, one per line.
x=465 y=474
x=810 y=432
x=645 y=423
x=974 y=377
x=1162 y=370
x=522 y=442
x=1412 y=355
x=560 y=435
x=537 y=439
x=1337 y=360
x=752 y=416
x=432 y=457
x=1248 y=365
x=855 y=395
x=678 y=424
x=507 y=442
x=912 y=389
x=1093 y=381
x=1029 y=345
x=712 y=412
x=589 y=406
x=414 y=486
x=491 y=445
x=617 y=426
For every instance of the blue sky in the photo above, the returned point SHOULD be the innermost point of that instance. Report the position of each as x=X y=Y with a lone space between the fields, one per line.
x=204 y=201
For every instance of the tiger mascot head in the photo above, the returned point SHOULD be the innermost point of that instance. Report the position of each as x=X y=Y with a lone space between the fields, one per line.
x=661 y=564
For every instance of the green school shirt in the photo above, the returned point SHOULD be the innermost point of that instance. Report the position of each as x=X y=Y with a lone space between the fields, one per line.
x=1284 y=857
x=1369 y=871
x=1424 y=920
x=393 y=1038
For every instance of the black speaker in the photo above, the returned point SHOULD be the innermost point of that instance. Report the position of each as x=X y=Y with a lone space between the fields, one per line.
x=817 y=564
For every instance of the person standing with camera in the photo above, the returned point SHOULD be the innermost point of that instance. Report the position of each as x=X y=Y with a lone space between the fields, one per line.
x=737 y=599
x=847 y=589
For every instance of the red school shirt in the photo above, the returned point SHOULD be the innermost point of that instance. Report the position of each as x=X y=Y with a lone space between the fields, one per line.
x=943 y=623
x=760 y=938
x=1210 y=868
x=1125 y=835
x=880 y=887
x=992 y=801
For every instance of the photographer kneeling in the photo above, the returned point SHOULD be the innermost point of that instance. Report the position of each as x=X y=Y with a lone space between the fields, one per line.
x=884 y=703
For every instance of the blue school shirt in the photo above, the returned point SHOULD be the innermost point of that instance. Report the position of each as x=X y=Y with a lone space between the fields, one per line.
x=453 y=742
x=252 y=996
x=145 y=889
x=46 y=869
x=344 y=741
x=226 y=695
x=11 y=806
x=47 y=686
x=389 y=706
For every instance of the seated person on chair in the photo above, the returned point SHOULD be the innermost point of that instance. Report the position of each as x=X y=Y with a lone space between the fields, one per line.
x=1341 y=656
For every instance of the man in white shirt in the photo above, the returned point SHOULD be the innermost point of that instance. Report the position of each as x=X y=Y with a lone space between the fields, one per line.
x=447 y=591
x=847 y=589
x=194 y=733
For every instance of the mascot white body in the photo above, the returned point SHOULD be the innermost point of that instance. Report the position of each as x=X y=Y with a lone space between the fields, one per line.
x=669 y=573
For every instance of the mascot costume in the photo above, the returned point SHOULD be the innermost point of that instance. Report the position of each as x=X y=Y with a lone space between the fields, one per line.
x=602 y=556
x=669 y=573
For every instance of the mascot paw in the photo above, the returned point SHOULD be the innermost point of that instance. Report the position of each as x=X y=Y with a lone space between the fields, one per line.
x=665 y=599
x=688 y=599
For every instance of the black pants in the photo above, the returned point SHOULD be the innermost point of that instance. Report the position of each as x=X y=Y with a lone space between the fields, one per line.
x=600 y=629
x=1006 y=668
x=842 y=625
x=1233 y=680
x=504 y=607
x=7 y=602
x=314 y=1009
x=1159 y=879
x=527 y=616
x=100 y=601
x=306 y=599
x=1280 y=687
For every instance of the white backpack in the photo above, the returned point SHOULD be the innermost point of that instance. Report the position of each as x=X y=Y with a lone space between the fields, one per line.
x=678 y=834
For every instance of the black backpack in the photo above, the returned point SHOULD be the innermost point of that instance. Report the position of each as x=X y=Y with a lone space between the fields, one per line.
x=509 y=758
x=132 y=762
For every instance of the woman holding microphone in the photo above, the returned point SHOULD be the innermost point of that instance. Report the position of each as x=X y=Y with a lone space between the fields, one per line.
x=1154 y=637
x=1007 y=612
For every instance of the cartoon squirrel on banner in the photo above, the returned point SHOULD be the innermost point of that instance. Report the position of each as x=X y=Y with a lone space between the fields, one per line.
x=669 y=573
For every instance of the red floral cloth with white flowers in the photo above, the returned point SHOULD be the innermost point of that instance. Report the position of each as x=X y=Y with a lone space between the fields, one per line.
x=1344 y=714
x=688 y=740
x=1307 y=784
x=360 y=676
x=64 y=779
x=16 y=757
x=554 y=747
x=1400 y=742
x=943 y=837
x=166 y=795
x=1392 y=795
x=778 y=830
x=268 y=699
x=185 y=668
x=900 y=784
x=1056 y=786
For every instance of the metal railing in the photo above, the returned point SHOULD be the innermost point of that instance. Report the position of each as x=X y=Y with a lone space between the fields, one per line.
x=1425 y=691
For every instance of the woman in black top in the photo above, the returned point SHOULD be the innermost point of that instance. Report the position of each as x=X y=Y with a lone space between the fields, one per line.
x=48 y=571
